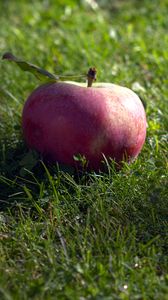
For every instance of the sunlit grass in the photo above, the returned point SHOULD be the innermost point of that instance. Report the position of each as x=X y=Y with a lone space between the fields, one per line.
x=84 y=236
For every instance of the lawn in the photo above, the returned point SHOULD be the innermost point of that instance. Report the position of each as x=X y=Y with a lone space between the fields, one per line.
x=65 y=235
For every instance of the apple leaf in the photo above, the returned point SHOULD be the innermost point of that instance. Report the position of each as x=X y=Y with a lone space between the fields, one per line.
x=41 y=74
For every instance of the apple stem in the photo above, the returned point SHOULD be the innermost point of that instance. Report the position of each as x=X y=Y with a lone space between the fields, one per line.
x=91 y=76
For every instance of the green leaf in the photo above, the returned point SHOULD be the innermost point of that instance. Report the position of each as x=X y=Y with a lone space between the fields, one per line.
x=41 y=74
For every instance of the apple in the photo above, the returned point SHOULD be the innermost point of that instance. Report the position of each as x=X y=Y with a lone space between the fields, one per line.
x=64 y=119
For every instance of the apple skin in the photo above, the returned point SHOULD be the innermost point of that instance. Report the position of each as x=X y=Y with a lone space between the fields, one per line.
x=64 y=119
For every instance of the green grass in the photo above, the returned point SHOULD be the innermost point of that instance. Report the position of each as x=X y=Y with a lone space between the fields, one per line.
x=84 y=236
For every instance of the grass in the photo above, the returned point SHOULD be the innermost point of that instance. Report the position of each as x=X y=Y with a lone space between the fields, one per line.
x=91 y=236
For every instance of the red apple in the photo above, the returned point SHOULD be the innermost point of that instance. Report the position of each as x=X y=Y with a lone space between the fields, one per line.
x=64 y=119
